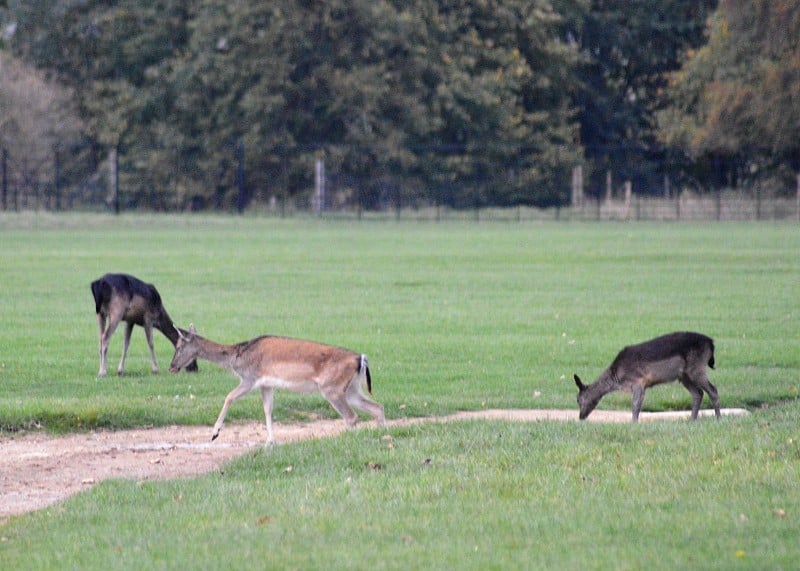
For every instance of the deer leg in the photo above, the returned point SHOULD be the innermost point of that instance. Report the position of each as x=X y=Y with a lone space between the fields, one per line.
x=148 y=333
x=360 y=401
x=267 y=397
x=126 y=342
x=714 y=396
x=339 y=402
x=107 y=327
x=704 y=384
x=235 y=394
x=102 y=347
x=637 y=401
x=697 y=397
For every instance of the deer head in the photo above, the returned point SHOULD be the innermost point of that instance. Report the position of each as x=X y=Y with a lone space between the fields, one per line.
x=186 y=349
x=588 y=399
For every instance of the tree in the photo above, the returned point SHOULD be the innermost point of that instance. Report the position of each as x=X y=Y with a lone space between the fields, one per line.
x=630 y=48
x=380 y=89
x=493 y=79
x=37 y=116
x=739 y=95
x=111 y=55
x=466 y=103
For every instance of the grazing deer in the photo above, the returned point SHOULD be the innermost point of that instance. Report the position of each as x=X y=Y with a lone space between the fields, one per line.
x=269 y=363
x=120 y=297
x=681 y=356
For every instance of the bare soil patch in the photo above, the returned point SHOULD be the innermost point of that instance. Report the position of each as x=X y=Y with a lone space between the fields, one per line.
x=38 y=469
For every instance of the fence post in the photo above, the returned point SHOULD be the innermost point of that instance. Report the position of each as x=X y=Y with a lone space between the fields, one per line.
x=398 y=202
x=240 y=175
x=797 y=203
x=758 y=202
x=57 y=178
x=577 y=186
x=319 y=186
x=113 y=165
x=628 y=192
x=4 y=167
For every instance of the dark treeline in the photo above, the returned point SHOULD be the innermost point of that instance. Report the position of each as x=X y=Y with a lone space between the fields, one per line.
x=409 y=98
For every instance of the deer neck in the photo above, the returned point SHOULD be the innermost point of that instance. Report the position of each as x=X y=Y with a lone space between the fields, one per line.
x=167 y=327
x=604 y=384
x=218 y=353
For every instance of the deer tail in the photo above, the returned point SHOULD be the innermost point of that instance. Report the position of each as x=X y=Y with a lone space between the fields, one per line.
x=711 y=359
x=363 y=365
x=101 y=292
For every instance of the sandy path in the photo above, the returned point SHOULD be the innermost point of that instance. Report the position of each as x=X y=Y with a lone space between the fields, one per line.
x=37 y=469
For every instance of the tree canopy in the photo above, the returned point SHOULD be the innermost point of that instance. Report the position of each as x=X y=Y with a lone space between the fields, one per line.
x=631 y=48
x=463 y=103
x=739 y=94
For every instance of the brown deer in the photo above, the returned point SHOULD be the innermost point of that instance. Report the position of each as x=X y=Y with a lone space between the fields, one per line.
x=269 y=363
x=681 y=356
x=121 y=297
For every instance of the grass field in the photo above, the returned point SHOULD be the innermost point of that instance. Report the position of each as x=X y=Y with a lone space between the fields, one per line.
x=452 y=316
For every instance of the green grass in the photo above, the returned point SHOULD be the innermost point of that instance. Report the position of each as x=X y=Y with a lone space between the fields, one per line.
x=452 y=316
x=480 y=495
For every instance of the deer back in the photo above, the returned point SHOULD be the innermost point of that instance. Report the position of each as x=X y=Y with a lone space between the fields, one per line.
x=662 y=359
x=296 y=359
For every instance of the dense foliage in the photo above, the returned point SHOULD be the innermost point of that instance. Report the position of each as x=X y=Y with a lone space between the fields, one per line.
x=631 y=48
x=737 y=99
x=462 y=103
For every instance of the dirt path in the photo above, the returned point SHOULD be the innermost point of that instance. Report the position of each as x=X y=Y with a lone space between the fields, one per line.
x=37 y=469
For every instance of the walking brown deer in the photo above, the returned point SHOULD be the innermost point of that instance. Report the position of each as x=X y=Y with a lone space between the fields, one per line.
x=681 y=356
x=269 y=363
x=121 y=297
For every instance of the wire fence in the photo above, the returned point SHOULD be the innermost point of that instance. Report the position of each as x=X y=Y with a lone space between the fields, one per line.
x=82 y=177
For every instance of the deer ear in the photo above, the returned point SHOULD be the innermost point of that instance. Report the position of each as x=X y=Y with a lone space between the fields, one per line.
x=192 y=330
x=578 y=382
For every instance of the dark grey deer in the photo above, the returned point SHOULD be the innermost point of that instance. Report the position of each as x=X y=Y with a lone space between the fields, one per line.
x=681 y=356
x=122 y=297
